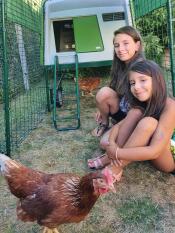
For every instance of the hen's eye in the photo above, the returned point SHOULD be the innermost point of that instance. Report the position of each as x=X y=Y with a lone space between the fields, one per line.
x=101 y=180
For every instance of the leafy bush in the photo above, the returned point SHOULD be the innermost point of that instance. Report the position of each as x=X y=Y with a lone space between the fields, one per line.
x=153 y=48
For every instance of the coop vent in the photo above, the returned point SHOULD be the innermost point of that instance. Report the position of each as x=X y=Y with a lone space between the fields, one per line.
x=113 y=16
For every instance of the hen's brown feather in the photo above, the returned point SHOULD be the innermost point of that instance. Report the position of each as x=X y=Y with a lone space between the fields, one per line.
x=50 y=199
x=87 y=85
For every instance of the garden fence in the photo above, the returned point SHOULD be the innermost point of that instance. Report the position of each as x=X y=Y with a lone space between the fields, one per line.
x=22 y=81
x=155 y=19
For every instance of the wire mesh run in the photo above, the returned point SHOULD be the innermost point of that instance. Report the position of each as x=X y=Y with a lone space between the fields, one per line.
x=2 y=119
x=23 y=87
x=153 y=21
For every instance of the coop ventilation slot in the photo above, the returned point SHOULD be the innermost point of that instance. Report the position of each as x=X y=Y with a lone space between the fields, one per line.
x=113 y=16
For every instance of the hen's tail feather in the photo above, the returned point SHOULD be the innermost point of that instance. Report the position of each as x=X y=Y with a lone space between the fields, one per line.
x=6 y=164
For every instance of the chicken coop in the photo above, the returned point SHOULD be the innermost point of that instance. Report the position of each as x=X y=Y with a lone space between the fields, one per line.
x=83 y=27
x=78 y=34
x=44 y=44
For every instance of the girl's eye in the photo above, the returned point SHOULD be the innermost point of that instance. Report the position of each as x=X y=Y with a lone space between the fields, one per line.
x=132 y=83
x=126 y=43
x=116 y=46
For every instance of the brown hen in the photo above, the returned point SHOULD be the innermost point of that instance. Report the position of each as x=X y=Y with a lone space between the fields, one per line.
x=87 y=85
x=53 y=199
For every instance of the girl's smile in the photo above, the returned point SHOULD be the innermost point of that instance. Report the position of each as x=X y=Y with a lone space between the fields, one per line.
x=140 y=85
x=125 y=47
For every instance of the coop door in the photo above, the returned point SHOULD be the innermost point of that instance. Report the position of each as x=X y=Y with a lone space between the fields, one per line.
x=64 y=35
x=87 y=34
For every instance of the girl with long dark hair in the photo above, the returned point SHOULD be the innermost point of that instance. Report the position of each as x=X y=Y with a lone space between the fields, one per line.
x=111 y=101
x=150 y=137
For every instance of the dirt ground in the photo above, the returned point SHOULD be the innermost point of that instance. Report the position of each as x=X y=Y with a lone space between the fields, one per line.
x=145 y=198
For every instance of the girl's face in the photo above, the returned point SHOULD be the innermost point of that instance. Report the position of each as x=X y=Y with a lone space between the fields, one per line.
x=125 y=47
x=140 y=86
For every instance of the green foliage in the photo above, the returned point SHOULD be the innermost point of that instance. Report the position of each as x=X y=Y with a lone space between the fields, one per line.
x=153 y=28
x=153 y=48
x=156 y=23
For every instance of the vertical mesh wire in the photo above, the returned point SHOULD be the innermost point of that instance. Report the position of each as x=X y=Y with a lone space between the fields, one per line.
x=151 y=19
x=2 y=120
x=172 y=18
x=26 y=80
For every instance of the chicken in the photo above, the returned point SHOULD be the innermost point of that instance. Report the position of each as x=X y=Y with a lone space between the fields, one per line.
x=54 y=199
x=87 y=85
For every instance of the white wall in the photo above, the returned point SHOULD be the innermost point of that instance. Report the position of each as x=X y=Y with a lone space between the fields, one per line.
x=106 y=28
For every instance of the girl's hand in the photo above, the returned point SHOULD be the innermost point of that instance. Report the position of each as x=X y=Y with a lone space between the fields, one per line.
x=113 y=155
x=98 y=117
x=111 y=150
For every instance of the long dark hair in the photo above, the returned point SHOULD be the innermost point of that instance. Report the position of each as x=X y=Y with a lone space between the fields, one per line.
x=119 y=68
x=154 y=106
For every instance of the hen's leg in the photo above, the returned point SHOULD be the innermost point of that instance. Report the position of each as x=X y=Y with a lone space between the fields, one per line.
x=48 y=230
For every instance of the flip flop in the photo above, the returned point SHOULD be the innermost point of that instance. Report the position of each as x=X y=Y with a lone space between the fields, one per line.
x=96 y=163
x=99 y=130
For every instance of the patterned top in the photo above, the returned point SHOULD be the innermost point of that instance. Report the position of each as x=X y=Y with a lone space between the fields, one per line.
x=124 y=105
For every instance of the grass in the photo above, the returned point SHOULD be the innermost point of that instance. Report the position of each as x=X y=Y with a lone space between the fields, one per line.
x=140 y=212
x=145 y=197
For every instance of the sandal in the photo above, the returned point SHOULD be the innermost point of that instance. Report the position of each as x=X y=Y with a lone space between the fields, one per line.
x=116 y=177
x=96 y=163
x=100 y=130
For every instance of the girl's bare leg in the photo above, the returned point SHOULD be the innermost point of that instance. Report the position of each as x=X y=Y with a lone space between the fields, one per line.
x=165 y=161
x=125 y=131
x=107 y=102
x=141 y=136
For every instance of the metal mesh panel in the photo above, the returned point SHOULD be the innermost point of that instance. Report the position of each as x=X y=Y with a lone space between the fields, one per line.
x=145 y=6
x=25 y=80
x=2 y=120
x=153 y=23
x=172 y=44
x=25 y=12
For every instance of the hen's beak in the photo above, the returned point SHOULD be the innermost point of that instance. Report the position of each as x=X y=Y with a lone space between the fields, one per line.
x=112 y=188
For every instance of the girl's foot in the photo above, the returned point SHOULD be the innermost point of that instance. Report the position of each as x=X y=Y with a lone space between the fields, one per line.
x=100 y=130
x=117 y=172
x=98 y=162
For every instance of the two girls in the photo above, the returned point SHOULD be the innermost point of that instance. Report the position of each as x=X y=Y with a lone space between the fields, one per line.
x=111 y=101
